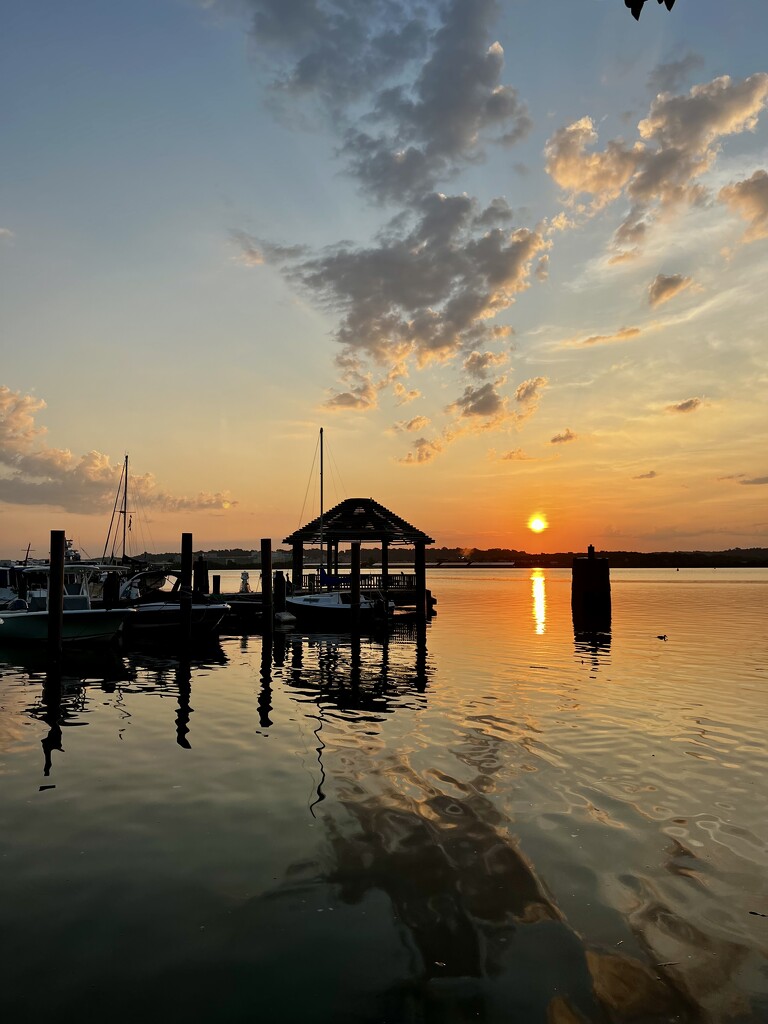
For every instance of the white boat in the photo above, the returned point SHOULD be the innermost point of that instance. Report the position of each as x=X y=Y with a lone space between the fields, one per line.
x=334 y=607
x=26 y=618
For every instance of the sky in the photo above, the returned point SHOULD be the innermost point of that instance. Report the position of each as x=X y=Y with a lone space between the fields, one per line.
x=509 y=255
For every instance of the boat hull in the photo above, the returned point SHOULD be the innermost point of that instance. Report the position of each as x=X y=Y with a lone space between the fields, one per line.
x=331 y=610
x=93 y=625
x=154 y=618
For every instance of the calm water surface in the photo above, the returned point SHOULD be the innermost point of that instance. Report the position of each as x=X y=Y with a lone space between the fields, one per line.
x=493 y=821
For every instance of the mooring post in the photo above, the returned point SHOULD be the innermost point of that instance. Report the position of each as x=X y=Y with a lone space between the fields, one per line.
x=216 y=581
x=200 y=582
x=297 y=566
x=267 y=607
x=278 y=592
x=591 y=593
x=186 y=587
x=56 y=596
x=420 y=568
x=355 y=579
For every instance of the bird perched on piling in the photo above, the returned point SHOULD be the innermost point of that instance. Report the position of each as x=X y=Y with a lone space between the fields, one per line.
x=636 y=6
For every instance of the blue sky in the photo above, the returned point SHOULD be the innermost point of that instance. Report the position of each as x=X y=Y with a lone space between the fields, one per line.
x=549 y=301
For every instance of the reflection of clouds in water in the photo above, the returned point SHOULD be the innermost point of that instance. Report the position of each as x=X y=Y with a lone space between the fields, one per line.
x=484 y=937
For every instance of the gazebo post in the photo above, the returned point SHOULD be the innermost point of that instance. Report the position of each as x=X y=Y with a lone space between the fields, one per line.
x=355 y=577
x=297 y=565
x=336 y=558
x=385 y=567
x=420 y=568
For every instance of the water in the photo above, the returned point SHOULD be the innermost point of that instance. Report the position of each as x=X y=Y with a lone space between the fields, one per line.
x=495 y=821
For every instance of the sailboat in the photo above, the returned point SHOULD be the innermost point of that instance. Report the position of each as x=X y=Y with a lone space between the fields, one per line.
x=334 y=608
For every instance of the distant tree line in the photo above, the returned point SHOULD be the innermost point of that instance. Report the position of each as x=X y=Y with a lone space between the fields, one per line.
x=239 y=558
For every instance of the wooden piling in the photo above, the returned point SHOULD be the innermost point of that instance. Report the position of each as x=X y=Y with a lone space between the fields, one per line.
x=297 y=566
x=56 y=596
x=216 y=581
x=420 y=569
x=200 y=579
x=186 y=587
x=591 y=593
x=267 y=607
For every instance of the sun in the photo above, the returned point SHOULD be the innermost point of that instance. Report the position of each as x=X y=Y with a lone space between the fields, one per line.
x=537 y=523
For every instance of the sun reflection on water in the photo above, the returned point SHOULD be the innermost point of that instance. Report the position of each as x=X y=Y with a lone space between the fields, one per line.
x=539 y=600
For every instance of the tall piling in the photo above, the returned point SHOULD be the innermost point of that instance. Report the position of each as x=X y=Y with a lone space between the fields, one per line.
x=267 y=604
x=591 y=593
x=200 y=578
x=420 y=570
x=186 y=587
x=56 y=596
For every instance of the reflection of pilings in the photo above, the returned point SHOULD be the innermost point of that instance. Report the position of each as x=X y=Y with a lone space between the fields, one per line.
x=184 y=684
x=421 y=656
x=52 y=716
x=267 y=615
x=265 y=694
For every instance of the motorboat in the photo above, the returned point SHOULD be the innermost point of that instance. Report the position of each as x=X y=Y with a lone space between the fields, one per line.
x=156 y=596
x=335 y=607
x=26 y=616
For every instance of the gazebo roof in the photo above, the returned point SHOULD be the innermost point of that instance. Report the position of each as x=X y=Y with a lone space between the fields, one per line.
x=359 y=519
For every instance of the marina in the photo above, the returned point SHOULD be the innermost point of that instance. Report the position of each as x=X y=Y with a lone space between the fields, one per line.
x=488 y=817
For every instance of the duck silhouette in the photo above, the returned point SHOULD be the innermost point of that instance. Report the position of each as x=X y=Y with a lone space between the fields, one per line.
x=636 y=6
x=662 y=636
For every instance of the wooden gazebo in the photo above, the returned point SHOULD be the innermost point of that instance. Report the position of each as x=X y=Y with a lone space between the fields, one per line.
x=357 y=521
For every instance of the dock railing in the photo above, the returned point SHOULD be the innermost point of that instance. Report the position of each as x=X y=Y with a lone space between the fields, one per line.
x=368 y=581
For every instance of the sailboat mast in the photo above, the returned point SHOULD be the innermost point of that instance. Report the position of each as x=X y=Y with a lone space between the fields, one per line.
x=125 y=500
x=321 y=499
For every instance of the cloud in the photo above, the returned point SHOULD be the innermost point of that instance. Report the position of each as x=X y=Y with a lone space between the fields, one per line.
x=671 y=75
x=529 y=392
x=479 y=364
x=757 y=480
x=423 y=451
x=404 y=394
x=665 y=287
x=7 y=234
x=689 y=405
x=749 y=198
x=647 y=476
x=678 y=141
x=37 y=474
x=417 y=423
x=428 y=288
x=567 y=435
x=484 y=401
x=428 y=126
x=414 y=94
x=515 y=455
x=362 y=396
x=623 y=334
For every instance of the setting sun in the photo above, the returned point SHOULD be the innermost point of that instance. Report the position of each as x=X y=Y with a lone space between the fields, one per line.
x=537 y=524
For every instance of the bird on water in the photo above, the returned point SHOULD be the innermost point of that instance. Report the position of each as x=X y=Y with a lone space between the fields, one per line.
x=636 y=6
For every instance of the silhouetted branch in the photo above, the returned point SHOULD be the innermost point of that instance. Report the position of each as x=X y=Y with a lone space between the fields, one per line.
x=636 y=6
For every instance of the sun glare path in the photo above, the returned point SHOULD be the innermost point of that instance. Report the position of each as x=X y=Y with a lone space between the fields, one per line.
x=537 y=524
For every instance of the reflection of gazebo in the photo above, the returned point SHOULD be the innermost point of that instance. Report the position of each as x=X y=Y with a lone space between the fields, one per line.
x=357 y=521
